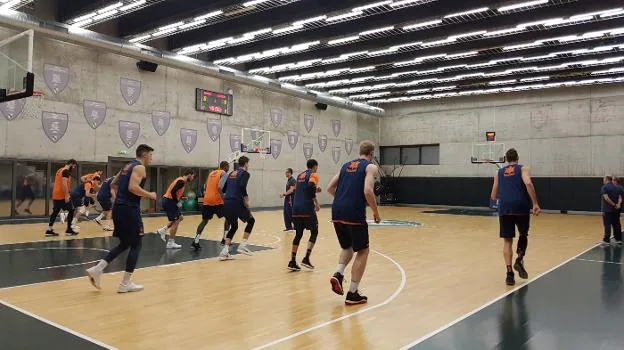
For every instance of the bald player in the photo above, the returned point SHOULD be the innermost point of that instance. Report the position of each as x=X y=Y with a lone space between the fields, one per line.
x=213 y=201
x=352 y=188
x=305 y=206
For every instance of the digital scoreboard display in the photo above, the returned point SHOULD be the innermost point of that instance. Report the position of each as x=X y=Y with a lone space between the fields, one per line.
x=214 y=102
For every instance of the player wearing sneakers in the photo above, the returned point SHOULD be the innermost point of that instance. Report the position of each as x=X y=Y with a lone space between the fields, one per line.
x=352 y=188
x=106 y=197
x=127 y=219
x=171 y=204
x=80 y=194
x=236 y=206
x=516 y=194
x=305 y=207
x=90 y=201
x=61 y=198
x=213 y=201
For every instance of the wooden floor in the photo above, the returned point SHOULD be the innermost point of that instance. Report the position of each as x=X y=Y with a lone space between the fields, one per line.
x=418 y=279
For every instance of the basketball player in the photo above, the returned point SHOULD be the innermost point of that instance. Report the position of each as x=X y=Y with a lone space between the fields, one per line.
x=80 y=194
x=128 y=184
x=213 y=201
x=305 y=206
x=89 y=201
x=352 y=188
x=236 y=206
x=288 y=199
x=611 y=206
x=171 y=203
x=61 y=198
x=27 y=193
x=105 y=196
x=516 y=194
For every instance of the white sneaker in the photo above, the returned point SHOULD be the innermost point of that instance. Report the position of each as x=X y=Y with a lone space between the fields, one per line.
x=95 y=275
x=173 y=245
x=163 y=233
x=108 y=228
x=130 y=287
x=242 y=248
x=63 y=217
x=224 y=257
x=75 y=227
x=86 y=213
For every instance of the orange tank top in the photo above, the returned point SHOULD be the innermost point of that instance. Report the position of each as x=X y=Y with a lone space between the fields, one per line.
x=171 y=186
x=212 y=196
x=57 y=192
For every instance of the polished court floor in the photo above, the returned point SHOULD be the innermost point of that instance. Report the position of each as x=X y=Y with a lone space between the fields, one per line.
x=422 y=281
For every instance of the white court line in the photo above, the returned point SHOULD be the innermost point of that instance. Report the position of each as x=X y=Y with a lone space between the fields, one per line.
x=56 y=325
x=318 y=326
x=53 y=248
x=600 y=261
x=67 y=265
x=421 y=339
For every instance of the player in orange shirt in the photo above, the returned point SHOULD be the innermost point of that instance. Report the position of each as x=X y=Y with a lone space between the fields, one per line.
x=61 y=197
x=171 y=204
x=213 y=201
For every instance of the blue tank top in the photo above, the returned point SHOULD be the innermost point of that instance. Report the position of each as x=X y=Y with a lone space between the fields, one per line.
x=124 y=196
x=350 y=203
x=304 y=195
x=236 y=186
x=291 y=182
x=105 y=189
x=79 y=192
x=513 y=197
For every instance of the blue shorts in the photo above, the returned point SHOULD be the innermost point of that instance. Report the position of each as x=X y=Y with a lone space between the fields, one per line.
x=171 y=208
x=127 y=220
x=105 y=203
x=236 y=210
x=77 y=202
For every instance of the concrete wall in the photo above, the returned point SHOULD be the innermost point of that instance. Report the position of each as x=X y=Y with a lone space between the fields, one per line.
x=95 y=75
x=562 y=132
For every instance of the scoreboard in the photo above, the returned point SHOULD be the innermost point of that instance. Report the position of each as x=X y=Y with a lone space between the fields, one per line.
x=214 y=102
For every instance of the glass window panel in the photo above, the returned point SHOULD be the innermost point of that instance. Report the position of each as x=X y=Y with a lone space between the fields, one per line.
x=390 y=155
x=410 y=155
x=30 y=182
x=6 y=188
x=430 y=155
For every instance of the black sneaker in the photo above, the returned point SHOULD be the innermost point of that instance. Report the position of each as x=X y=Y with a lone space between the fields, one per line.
x=336 y=283
x=292 y=266
x=306 y=262
x=51 y=233
x=71 y=232
x=519 y=266
x=355 y=298
x=510 y=281
x=196 y=246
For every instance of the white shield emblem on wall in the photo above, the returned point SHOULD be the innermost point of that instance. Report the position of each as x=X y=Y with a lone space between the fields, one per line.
x=308 y=122
x=214 y=129
x=322 y=141
x=235 y=142
x=94 y=113
x=54 y=125
x=129 y=132
x=308 y=150
x=293 y=138
x=277 y=115
x=336 y=154
x=56 y=77
x=12 y=109
x=161 y=122
x=348 y=146
x=276 y=148
x=188 y=138
x=336 y=126
x=130 y=90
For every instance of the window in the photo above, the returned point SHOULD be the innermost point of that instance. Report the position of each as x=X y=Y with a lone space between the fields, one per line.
x=6 y=190
x=390 y=155
x=410 y=155
x=30 y=182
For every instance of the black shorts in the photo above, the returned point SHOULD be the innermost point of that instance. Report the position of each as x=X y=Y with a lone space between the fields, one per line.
x=236 y=211
x=88 y=201
x=128 y=222
x=211 y=210
x=77 y=202
x=508 y=224
x=171 y=208
x=352 y=236
x=105 y=203
x=305 y=223
x=62 y=205
x=27 y=193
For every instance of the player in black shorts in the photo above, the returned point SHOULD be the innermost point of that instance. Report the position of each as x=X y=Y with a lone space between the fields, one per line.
x=516 y=194
x=128 y=184
x=304 y=209
x=27 y=193
x=236 y=206
x=352 y=188
x=105 y=196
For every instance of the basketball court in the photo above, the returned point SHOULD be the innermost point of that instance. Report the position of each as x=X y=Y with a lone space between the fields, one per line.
x=293 y=81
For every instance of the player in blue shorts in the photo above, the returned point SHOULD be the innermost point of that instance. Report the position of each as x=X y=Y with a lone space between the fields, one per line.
x=304 y=211
x=106 y=197
x=352 y=188
x=79 y=197
x=236 y=206
x=128 y=184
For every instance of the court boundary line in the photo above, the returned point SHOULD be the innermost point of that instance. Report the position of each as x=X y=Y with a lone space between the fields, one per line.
x=500 y=297
x=344 y=317
x=58 y=326
x=600 y=261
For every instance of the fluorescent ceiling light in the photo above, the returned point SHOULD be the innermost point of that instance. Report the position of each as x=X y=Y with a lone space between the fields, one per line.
x=502 y=32
x=310 y=20
x=405 y=2
x=141 y=38
x=87 y=16
x=469 y=12
x=462 y=54
x=287 y=29
x=82 y=23
x=343 y=40
x=171 y=26
x=104 y=15
x=375 y=4
x=612 y=13
x=208 y=15
x=111 y=7
x=383 y=52
x=132 y=5
x=343 y=16
x=439 y=42
x=465 y=35
x=501 y=82
x=193 y=24
x=378 y=30
x=521 y=5
x=254 y=2
x=535 y=79
x=536 y=23
x=423 y=24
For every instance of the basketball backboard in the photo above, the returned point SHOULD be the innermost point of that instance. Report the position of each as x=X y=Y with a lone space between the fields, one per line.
x=17 y=79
